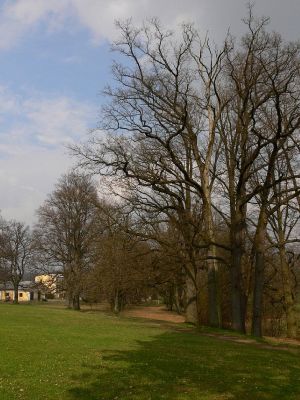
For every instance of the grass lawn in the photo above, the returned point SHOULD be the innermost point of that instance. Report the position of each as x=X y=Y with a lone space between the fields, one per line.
x=58 y=354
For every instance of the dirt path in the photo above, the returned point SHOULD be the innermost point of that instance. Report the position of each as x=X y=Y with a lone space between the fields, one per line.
x=158 y=313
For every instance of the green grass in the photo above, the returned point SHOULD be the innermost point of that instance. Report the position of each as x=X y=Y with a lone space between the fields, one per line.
x=57 y=354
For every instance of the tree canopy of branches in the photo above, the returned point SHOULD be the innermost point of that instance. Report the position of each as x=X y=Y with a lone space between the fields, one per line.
x=65 y=232
x=196 y=133
x=16 y=253
x=121 y=273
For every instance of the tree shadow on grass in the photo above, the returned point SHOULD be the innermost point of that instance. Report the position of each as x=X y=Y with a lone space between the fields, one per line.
x=188 y=366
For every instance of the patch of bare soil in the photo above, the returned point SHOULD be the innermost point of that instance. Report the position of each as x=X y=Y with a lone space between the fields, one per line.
x=158 y=313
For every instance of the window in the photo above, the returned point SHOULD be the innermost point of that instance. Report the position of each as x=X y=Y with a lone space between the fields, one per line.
x=20 y=294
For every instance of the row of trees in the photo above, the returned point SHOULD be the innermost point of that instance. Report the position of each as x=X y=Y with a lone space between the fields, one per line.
x=82 y=238
x=203 y=144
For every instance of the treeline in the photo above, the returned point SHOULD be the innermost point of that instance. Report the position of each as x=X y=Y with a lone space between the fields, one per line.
x=201 y=146
x=89 y=242
x=89 y=248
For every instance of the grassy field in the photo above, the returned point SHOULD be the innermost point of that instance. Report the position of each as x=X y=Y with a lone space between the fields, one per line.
x=58 y=354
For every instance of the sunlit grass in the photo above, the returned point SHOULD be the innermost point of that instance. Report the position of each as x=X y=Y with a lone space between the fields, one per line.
x=57 y=354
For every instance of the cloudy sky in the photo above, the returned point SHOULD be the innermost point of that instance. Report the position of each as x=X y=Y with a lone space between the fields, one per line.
x=54 y=61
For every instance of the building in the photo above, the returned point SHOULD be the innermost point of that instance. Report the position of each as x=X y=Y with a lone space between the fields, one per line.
x=43 y=287
x=27 y=292
x=50 y=284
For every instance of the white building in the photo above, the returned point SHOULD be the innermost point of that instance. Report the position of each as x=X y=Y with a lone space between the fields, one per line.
x=27 y=292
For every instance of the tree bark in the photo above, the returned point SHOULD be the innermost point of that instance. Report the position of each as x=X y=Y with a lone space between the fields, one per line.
x=212 y=269
x=16 y=294
x=117 y=305
x=289 y=301
x=191 y=310
x=238 y=308
x=76 y=302
x=259 y=247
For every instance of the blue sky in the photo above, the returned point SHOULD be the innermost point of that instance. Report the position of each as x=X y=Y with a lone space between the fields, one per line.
x=54 y=61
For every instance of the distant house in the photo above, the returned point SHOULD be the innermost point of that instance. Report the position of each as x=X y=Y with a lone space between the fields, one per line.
x=50 y=284
x=43 y=287
x=27 y=292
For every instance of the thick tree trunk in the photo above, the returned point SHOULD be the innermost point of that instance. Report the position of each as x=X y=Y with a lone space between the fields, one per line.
x=212 y=281
x=289 y=301
x=213 y=303
x=238 y=304
x=237 y=309
x=178 y=299
x=16 y=294
x=287 y=286
x=212 y=264
x=117 y=304
x=212 y=268
x=258 y=294
x=69 y=296
x=259 y=247
x=191 y=310
x=76 y=302
x=291 y=318
x=70 y=302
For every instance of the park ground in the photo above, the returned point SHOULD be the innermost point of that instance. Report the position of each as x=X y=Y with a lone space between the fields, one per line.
x=48 y=352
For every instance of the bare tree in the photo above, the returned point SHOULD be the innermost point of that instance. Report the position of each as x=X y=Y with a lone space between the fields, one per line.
x=66 y=234
x=259 y=123
x=190 y=127
x=168 y=107
x=16 y=252
x=121 y=272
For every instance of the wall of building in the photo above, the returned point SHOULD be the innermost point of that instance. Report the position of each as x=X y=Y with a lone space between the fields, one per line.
x=23 y=295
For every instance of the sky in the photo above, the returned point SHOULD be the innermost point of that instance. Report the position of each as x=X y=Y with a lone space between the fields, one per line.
x=54 y=61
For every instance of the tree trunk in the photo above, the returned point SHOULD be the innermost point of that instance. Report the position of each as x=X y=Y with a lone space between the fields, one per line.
x=76 y=302
x=289 y=302
x=212 y=264
x=258 y=294
x=238 y=312
x=213 y=303
x=259 y=247
x=287 y=286
x=117 y=302
x=291 y=319
x=212 y=271
x=191 y=309
x=238 y=308
x=16 y=294
x=69 y=296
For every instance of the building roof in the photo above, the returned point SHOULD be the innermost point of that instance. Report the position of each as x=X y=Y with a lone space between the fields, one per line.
x=24 y=285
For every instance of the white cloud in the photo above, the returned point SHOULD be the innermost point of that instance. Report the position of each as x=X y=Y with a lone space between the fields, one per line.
x=27 y=177
x=17 y=17
x=57 y=121
x=47 y=120
x=34 y=130
x=98 y=16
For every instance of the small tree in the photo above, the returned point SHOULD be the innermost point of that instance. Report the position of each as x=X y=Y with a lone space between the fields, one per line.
x=16 y=252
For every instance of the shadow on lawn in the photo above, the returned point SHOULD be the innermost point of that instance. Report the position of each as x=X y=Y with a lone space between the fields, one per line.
x=187 y=366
